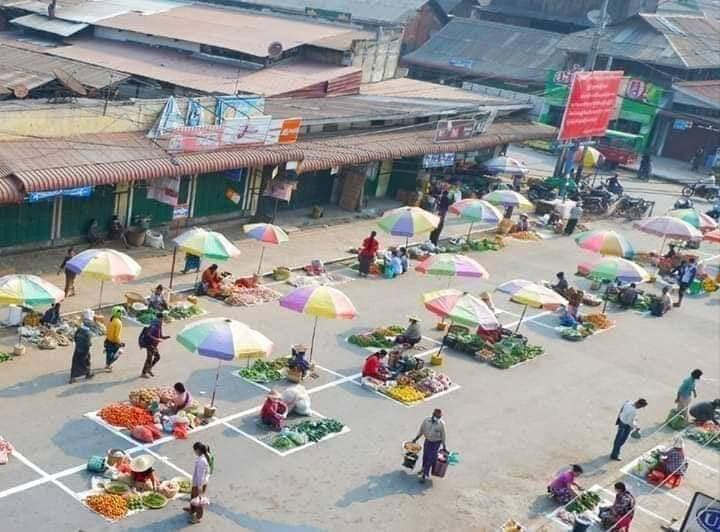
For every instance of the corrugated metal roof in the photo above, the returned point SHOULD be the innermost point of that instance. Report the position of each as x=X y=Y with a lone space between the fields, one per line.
x=91 y=11
x=9 y=191
x=246 y=32
x=394 y=11
x=480 y=47
x=703 y=92
x=710 y=8
x=19 y=65
x=413 y=88
x=201 y=75
x=678 y=41
x=55 y=26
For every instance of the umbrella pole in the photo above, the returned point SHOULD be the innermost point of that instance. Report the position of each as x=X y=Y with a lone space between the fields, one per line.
x=469 y=231
x=662 y=246
x=262 y=254
x=197 y=275
x=522 y=315
x=102 y=283
x=172 y=268
x=407 y=239
x=217 y=378
x=312 y=340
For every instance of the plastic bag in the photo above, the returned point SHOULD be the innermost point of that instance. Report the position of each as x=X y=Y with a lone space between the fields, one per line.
x=454 y=458
x=180 y=432
x=142 y=434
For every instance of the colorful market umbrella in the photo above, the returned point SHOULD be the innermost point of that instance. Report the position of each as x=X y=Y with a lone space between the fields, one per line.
x=509 y=199
x=320 y=302
x=266 y=233
x=204 y=244
x=605 y=242
x=28 y=290
x=477 y=211
x=531 y=295
x=669 y=227
x=712 y=236
x=590 y=157
x=461 y=308
x=614 y=268
x=105 y=265
x=504 y=165
x=223 y=339
x=699 y=220
x=452 y=266
x=408 y=222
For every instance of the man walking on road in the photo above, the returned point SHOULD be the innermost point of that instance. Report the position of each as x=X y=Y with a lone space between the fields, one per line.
x=575 y=215
x=150 y=339
x=626 y=422
x=687 y=392
x=685 y=275
x=433 y=430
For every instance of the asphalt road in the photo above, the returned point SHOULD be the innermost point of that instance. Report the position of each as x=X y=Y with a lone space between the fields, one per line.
x=514 y=429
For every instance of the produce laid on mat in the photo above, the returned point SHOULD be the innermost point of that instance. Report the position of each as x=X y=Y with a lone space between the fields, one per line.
x=4 y=357
x=262 y=371
x=707 y=434
x=530 y=236
x=510 y=350
x=599 y=321
x=181 y=311
x=245 y=297
x=111 y=506
x=328 y=279
x=304 y=432
x=583 y=502
x=512 y=526
x=380 y=338
x=415 y=385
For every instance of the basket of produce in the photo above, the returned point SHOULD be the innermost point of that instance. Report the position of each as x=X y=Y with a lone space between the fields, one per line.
x=154 y=501
x=412 y=447
x=512 y=526
x=116 y=488
x=168 y=489
x=134 y=503
x=571 y=334
x=599 y=321
x=143 y=397
x=111 y=506
x=184 y=484
x=133 y=297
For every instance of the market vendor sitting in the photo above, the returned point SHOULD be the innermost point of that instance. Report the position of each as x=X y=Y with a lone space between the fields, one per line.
x=671 y=253
x=412 y=334
x=621 y=513
x=157 y=300
x=522 y=225
x=561 y=489
x=562 y=285
x=706 y=411
x=490 y=336
x=211 y=283
x=660 y=305
x=374 y=367
x=142 y=474
x=628 y=296
x=404 y=261
x=297 y=360
x=274 y=411
x=673 y=461
x=181 y=400
x=51 y=317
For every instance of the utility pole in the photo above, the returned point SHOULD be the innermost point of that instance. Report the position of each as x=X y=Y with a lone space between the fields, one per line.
x=599 y=30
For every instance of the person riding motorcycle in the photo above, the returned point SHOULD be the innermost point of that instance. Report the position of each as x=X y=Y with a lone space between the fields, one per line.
x=645 y=169
x=683 y=203
x=715 y=211
x=614 y=185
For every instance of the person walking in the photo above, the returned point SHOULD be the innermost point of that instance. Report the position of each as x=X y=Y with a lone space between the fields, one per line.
x=686 y=393
x=113 y=338
x=201 y=477
x=367 y=254
x=150 y=339
x=575 y=214
x=69 y=274
x=433 y=430
x=81 y=355
x=626 y=422
x=686 y=273
x=443 y=205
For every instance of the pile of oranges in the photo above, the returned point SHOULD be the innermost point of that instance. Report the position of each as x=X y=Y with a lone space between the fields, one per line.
x=111 y=506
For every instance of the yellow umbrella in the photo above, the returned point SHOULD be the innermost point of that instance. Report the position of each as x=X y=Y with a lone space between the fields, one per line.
x=531 y=295
x=590 y=157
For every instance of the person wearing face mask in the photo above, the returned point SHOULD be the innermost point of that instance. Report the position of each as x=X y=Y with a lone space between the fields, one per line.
x=433 y=430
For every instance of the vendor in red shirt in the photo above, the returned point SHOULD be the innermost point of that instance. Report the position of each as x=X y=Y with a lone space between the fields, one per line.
x=374 y=367
x=274 y=411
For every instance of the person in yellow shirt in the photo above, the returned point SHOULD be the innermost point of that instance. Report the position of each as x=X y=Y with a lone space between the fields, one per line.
x=113 y=338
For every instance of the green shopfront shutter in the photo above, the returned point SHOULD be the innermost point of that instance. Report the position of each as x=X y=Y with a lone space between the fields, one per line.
x=211 y=199
x=160 y=213
x=25 y=223
x=404 y=175
x=78 y=212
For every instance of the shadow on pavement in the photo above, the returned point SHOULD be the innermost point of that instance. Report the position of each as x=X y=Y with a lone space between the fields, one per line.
x=176 y=522
x=258 y=525
x=94 y=386
x=385 y=485
x=82 y=438
x=38 y=384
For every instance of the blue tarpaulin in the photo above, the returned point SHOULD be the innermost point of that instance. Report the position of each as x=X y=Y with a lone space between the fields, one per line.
x=81 y=192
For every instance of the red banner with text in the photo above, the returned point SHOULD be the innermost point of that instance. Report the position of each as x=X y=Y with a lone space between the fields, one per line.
x=591 y=104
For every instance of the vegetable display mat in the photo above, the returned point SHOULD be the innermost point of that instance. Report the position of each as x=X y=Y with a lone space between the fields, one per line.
x=325 y=378
x=554 y=515
x=135 y=321
x=83 y=495
x=259 y=441
x=452 y=388
x=420 y=347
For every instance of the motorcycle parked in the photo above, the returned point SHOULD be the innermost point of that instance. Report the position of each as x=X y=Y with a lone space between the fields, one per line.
x=633 y=208
x=539 y=191
x=597 y=200
x=704 y=188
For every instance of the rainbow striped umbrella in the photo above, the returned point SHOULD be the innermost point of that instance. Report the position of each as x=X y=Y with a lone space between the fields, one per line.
x=461 y=308
x=223 y=339
x=28 y=290
x=697 y=219
x=105 y=265
x=669 y=227
x=531 y=295
x=477 y=211
x=504 y=165
x=269 y=233
x=408 y=222
x=452 y=266
x=320 y=302
x=207 y=244
x=612 y=268
x=508 y=198
x=605 y=242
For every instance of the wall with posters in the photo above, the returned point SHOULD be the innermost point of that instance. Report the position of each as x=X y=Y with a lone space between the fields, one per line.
x=159 y=213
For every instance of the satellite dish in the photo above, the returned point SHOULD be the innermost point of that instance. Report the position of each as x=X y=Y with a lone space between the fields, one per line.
x=275 y=49
x=70 y=82
x=20 y=91
x=594 y=16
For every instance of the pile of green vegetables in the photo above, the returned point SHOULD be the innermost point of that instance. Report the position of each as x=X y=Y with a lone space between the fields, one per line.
x=183 y=313
x=4 y=357
x=707 y=438
x=465 y=342
x=145 y=316
x=585 y=501
x=509 y=352
x=261 y=371
x=577 y=333
x=382 y=338
x=316 y=430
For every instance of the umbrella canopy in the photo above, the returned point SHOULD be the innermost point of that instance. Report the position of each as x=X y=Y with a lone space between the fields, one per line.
x=408 y=221
x=532 y=294
x=508 y=198
x=320 y=301
x=105 y=265
x=590 y=157
x=476 y=210
x=505 y=165
x=452 y=266
x=669 y=227
x=697 y=219
x=224 y=339
x=612 y=268
x=605 y=242
x=268 y=233
x=460 y=308
x=712 y=236
x=28 y=290
x=206 y=244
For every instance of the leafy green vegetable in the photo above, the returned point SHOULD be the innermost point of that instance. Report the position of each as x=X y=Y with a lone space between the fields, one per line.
x=317 y=430
x=261 y=371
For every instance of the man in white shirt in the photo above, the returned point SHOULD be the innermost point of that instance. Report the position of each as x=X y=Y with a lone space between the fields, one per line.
x=626 y=422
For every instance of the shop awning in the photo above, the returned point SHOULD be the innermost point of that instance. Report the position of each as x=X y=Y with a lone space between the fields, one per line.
x=364 y=148
x=9 y=192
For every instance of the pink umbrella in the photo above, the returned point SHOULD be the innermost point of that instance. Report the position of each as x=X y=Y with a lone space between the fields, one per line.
x=713 y=236
x=669 y=227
